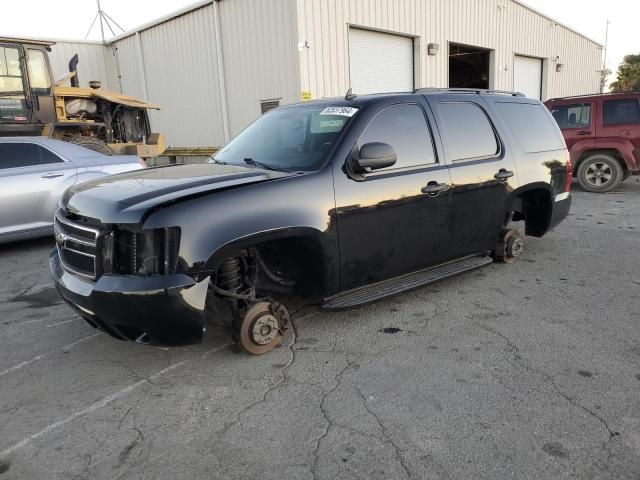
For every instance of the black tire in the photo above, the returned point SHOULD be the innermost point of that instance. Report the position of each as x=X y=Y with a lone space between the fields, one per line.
x=600 y=173
x=627 y=174
x=90 y=143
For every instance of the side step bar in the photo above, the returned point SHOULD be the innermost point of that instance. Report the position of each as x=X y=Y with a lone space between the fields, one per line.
x=377 y=291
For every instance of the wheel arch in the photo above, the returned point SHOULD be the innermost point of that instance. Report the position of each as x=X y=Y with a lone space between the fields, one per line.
x=533 y=204
x=620 y=149
x=321 y=253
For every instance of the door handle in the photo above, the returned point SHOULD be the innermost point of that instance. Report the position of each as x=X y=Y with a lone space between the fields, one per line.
x=434 y=189
x=53 y=175
x=583 y=133
x=503 y=175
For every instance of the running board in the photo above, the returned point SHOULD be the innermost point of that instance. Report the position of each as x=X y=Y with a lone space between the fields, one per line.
x=377 y=291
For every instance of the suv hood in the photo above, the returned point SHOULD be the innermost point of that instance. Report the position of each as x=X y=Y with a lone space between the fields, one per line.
x=126 y=197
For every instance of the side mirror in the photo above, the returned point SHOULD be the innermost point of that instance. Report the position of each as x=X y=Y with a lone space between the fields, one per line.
x=376 y=156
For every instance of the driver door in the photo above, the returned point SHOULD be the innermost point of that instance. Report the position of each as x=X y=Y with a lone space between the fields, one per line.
x=388 y=224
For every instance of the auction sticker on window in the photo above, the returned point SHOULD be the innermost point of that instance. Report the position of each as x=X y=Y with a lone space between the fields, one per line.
x=340 y=111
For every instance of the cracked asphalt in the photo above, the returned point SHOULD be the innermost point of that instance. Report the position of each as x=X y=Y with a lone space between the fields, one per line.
x=528 y=371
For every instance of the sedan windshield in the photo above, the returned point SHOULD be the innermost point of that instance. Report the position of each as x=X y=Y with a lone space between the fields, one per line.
x=289 y=139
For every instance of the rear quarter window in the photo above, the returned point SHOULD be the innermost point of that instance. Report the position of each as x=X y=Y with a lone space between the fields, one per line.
x=621 y=112
x=530 y=124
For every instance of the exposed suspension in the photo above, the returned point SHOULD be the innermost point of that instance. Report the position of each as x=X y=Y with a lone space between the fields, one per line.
x=257 y=323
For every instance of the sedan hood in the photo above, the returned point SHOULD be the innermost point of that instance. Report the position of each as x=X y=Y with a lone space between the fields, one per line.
x=125 y=198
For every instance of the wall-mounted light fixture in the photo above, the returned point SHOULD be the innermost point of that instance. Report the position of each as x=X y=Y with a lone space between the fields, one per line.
x=559 y=65
x=433 y=48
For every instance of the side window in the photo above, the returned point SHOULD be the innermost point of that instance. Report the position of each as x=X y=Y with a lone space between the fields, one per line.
x=572 y=116
x=467 y=131
x=405 y=128
x=531 y=126
x=620 y=112
x=48 y=157
x=15 y=155
x=38 y=73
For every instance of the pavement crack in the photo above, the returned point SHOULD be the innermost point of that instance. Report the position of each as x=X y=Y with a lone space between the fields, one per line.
x=548 y=379
x=385 y=432
x=279 y=384
x=316 y=451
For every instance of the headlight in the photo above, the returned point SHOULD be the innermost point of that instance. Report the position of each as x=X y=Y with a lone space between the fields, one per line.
x=143 y=252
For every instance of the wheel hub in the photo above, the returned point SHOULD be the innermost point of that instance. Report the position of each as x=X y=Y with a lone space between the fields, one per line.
x=515 y=247
x=599 y=174
x=262 y=327
x=265 y=329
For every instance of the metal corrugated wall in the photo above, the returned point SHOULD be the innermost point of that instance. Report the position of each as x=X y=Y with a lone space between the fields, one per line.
x=180 y=74
x=275 y=49
x=260 y=41
x=504 y=26
x=96 y=63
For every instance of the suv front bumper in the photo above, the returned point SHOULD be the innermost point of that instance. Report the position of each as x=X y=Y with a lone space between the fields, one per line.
x=158 y=310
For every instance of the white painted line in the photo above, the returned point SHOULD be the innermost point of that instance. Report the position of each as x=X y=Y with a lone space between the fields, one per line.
x=61 y=323
x=20 y=365
x=74 y=317
x=91 y=408
x=101 y=403
x=66 y=348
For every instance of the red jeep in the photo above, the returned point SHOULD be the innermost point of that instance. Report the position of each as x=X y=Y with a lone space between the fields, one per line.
x=603 y=135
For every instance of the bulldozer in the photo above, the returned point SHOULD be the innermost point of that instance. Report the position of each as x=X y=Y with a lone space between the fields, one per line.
x=32 y=104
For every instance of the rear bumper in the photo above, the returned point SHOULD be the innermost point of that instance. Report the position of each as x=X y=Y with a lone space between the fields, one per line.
x=560 y=209
x=162 y=310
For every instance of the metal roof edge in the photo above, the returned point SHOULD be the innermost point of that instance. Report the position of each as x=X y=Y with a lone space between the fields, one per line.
x=53 y=41
x=561 y=24
x=165 y=18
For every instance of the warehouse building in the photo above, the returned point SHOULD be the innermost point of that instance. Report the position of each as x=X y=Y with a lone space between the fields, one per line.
x=217 y=65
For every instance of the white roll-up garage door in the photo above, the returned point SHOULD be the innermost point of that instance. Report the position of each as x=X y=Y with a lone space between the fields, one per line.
x=380 y=62
x=527 y=76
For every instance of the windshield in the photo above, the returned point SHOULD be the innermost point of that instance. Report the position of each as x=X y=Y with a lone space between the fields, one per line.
x=289 y=139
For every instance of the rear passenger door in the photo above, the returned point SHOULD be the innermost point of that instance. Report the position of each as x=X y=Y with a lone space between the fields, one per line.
x=621 y=118
x=483 y=172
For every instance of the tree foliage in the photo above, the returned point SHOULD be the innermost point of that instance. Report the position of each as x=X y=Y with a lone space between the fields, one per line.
x=628 y=75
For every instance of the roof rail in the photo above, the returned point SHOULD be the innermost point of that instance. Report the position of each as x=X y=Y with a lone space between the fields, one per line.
x=477 y=91
x=594 y=95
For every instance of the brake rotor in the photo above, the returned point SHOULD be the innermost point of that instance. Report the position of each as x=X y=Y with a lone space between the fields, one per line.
x=262 y=327
x=510 y=247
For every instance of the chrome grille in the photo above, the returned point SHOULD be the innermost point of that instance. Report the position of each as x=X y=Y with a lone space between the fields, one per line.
x=77 y=246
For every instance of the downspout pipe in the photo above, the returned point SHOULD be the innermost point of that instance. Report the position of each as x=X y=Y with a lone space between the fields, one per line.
x=221 y=73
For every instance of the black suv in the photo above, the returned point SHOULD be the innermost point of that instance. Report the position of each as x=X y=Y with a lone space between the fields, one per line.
x=341 y=201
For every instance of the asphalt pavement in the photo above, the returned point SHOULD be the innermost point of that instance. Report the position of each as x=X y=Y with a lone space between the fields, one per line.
x=523 y=371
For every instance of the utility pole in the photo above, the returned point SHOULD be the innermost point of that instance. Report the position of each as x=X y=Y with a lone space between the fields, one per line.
x=104 y=19
x=603 y=80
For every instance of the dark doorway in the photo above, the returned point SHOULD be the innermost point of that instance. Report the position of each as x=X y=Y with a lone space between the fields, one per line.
x=468 y=66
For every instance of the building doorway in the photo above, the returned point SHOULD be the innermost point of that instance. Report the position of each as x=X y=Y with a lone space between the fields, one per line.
x=469 y=67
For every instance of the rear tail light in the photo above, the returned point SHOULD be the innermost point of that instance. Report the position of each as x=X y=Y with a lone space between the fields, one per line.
x=567 y=185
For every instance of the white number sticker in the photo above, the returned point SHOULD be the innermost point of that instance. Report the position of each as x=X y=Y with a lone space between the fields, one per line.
x=340 y=111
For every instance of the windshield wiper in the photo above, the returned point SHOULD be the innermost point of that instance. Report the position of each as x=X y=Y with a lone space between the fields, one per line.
x=251 y=161
x=218 y=162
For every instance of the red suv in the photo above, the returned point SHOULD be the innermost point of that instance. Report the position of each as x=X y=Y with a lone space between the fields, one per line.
x=603 y=135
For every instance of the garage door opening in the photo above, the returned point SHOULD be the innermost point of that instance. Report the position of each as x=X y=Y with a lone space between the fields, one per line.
x=527 y=76
x=469 y=67
x=380 y=62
